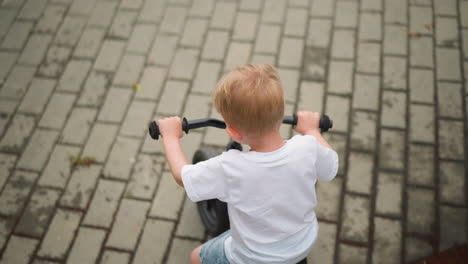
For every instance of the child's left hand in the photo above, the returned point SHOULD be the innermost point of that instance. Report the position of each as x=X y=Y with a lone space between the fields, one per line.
x=171 y=127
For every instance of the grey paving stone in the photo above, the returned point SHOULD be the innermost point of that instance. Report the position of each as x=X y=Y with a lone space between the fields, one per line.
x=422 y=123
x=420 y=19
x=215 y=45
x=393 y=109
x=130 y=4
x=57 y=110
x=114 y=257
x=128 y=224
x=420 y=210
x=417 y=249
x=79 y=123
x=17 y=82
x=299 y=3
x=290 y=81
x=340 y=76
x=7 y=60
x=151 y=82
x=138 y=116
x=355 y=221
x=103 y=13
x=450 y=97
x=190 y=224
x=370 y=26
x=38 y=212
x=464 y=37
x=87 y=246
x=395 y=38
x=216 y=136
x=421 y=52
x=446 y=32
x=144 y=179
x=223 y=15
x=83 y=7
x=273 y=11
x=252 y=5
x=387 y=241
x=185 y=63
x=19 y=250
x=339 y=108
x=51 y=18
x=100 y=140
x=16 y=193
x=60 y=234
x=395 y=11
x=328 y=193
x=346 y=14
x=129 y=70
x=122 y=24
x=18 y=133
x=109 y=56
x=453 y=231
x=7 y=16
x=263 y=59
x=394 y=72
x=141 y=38
x=311 y=96
x=448 y=64
x=324 y=249
x=90 y=42
x=94 y=89
x=172 y=98
x=352 y=254
x=322 y=8
x=104 y=204
x=372 y=5
x=267 y=40
x=121 y=158
x=445 y=7
x=163 y=50
x=74 y=75
x=70 y=30
x=152 y=11
x=421 y=85
x=364 y=131
x=115 y=105
x=58 y=169
x=392 y=154
x=169 y=197
x=366 y=92
x=7 y=164
x=194 y=32
x=339 y=143
x=315 y=63
x=389 y=193
x=296 y=22
x=5 y=229
x=181 y=250
x=238 y=54
x=451 y=140
x=368 y=58
x=463 y=13
x=7 y=109
x=420 y=156
x=35 y=49
x=360 y=172
x=55 y=61
x=37 y=151
x=80 y=187
x=174 y=19
x=156 y=232
x=343 y=44
x=197 y=106
x=17 y=35
x=452 y=182
x=319 y=32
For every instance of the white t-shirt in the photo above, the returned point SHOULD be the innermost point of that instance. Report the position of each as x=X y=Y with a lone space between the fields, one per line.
x=271 y=198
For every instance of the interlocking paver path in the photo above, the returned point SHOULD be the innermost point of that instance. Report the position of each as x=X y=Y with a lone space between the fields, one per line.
x=391 y=73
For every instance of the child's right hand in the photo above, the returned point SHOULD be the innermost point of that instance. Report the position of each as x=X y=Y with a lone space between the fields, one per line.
x=307 y=122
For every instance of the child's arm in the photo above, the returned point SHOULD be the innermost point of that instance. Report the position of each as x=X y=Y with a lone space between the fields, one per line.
x=308 y=124
x=171 y=132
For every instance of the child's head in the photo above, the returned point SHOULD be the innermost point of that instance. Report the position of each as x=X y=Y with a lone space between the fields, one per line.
x=250 y=99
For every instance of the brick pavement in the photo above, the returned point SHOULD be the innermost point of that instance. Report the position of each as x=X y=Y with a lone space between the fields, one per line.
x=391 y=73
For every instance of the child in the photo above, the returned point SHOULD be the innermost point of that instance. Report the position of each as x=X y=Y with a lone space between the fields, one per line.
x=270 y=190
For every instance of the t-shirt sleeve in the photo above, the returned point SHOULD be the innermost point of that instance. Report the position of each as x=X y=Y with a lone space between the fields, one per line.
x=327 y=163
x=205 y=180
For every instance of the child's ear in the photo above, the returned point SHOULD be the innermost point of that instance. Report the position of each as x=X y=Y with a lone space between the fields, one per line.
x=234 y=133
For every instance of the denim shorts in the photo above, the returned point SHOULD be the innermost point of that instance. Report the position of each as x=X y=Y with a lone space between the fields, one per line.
x=212 y=252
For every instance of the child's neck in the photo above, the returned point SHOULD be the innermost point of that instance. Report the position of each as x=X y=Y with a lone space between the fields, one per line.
x=267 y=143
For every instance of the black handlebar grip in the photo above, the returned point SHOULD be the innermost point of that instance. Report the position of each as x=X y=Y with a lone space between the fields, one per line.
x=325 y=123
x=154 y=128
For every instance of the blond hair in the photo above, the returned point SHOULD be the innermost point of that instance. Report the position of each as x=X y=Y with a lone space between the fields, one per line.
x=250 y=98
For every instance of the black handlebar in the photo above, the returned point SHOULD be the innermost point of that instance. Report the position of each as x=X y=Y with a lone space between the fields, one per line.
x=325 y=124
